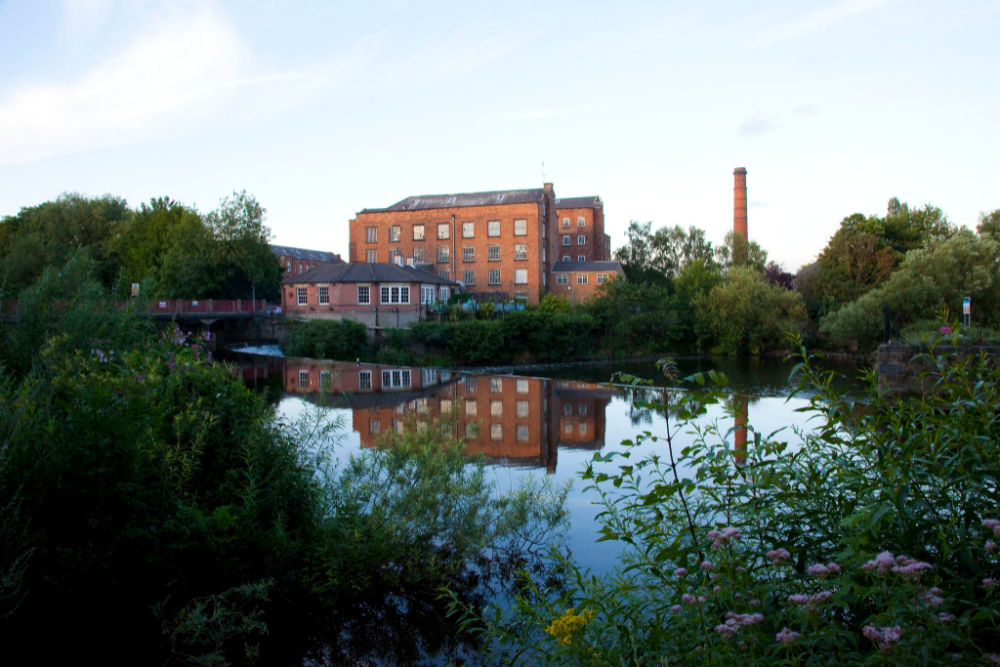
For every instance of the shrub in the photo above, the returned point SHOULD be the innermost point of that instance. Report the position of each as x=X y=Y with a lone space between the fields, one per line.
x=872 y=541
x=327 y=339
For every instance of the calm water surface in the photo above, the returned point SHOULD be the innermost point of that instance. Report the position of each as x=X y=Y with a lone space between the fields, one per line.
x=536 y=423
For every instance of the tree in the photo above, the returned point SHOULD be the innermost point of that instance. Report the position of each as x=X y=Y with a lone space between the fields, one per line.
x=746 y=314
x=989 y=225
x=931 y=282
x=244 y=264
x=735 y=252
x=657 y=257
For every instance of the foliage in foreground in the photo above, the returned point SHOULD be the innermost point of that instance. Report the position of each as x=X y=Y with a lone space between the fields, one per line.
x=153 y=510
x=874 y=541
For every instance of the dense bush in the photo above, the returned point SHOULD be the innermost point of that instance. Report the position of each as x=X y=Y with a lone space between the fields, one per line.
x=873 y=541
x=327 y=339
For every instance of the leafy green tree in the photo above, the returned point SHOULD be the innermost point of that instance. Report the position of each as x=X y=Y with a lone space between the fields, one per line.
x=931 y=281
x=746 y=314
x=637 y=318
x=327 y=339
x=736 y=252
x=989 y=225
x=656 y=257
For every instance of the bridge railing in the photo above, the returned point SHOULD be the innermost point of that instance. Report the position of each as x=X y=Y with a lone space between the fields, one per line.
x=168 y=307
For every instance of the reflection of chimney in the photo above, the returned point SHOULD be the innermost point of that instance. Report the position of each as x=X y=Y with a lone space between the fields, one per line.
x=740 y=415
x=740 y=237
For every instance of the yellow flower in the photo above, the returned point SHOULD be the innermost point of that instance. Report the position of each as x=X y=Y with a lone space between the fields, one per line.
x=563 y=628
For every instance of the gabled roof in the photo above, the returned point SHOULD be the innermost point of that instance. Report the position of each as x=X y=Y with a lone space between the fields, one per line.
x=566 y=267
x=579 y=202
x=305 y=254
x=491 y=198
x=367 y=273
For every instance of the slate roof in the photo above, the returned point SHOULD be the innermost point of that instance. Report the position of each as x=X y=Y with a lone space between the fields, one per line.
x=367 y=273
x=305 y=254
x=491 y=198
x=566 y=267
x=578 y=202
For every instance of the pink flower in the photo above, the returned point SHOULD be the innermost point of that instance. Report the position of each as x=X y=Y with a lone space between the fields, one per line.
x=883 y=563
x=680 y=572
x=687 y=598
x=706 y=565
x=884 y=638
x=755 y=602
x=832 y=568
x=798 y=599
x=990 y=545
x=740 y=569
x=818 y=569
x=716 y=589
x=989 y=582
x=945 y=617
x=675 y=609
x=778 y=556
x=726 y=630
x=910 y=569
x=820 y=598
x=723 y=537
x=787 y=636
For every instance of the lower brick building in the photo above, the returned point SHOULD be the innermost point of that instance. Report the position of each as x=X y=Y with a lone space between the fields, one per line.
x=578 y=281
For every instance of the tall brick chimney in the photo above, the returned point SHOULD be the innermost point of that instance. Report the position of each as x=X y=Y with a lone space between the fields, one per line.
x=741 y=239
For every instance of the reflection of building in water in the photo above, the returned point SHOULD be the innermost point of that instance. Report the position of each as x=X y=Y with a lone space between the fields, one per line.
x=516 y=419
x=741 y=409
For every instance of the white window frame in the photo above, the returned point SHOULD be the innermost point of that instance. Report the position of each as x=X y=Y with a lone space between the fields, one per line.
x=493 y=253
x=520 y=252
x=418 y=254
x=365 y=380
x=562 y=279
x=581 y=221
x=493 y=228
x=371 y=256
x=325 y=380
x=520 y=227
x=469 y=278
x=426 y=295
x=396 y=378
x=581 y=239
x=468 y=253
x=301 y=296
x=323 y=295
x=394 y=294
x=395 y=233
x=418 y=232
x=304 y=379
x=565 y=223
x=444 y=231
x=522 y=409
x=496 y=408
x=468 y=229
x=364 y=295
x=522 y=433
x=496 y=432
x=371 y=234
x=443 y=254
x=494 y=277
x=567 y=240
x=602 y=278
x=581 y=279
x=520 y=276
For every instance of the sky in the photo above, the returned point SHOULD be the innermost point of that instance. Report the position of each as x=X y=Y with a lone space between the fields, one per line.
x=321 y=109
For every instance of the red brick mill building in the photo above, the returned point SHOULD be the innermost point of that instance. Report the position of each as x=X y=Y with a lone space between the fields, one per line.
x=498 y=245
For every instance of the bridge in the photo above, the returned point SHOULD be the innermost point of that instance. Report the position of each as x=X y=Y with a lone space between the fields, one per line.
x=206 y=311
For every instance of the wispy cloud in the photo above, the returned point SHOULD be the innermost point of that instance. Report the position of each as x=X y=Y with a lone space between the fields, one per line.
x=820 y=19
x=182 y=67
x=757 y=125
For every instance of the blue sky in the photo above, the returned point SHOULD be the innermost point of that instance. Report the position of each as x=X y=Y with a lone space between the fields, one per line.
x=320 y=109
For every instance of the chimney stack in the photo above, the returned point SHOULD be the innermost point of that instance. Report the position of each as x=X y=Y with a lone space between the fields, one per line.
x=741 y=239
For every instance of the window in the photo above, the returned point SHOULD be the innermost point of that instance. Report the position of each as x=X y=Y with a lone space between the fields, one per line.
x=468 y=254
x=469 y=277
x=371 y=256
x=581 y=279
x=494 y=253
x=496 y=432
x=468 y=230
x=364 y=379
x=470 y=407
x=445 y=293
x=444 y=274
x=395 y=256
x=562 y=279
x=522 y=433
x=471 y=430
x=427 y=294
x=567 y=239
x=520 y=296
x=494 y=276
x=324 y=380
x=567 y=427
x=522 y=386
x=397 y=425
x=303 y=378
x=602 y=278
x=496 y=408
x=371 y=234
x=567 y=409
x=583 y=428
x=428 y=376
x=565 y=258
x=581 y=222
x=395 y=232
x=396 y=378
x=493 y=228
x=520 y=228
x=420 y=406
x=581 y=240
x=395 y=294
x=520 y=276
x=418 y=232
x=523 y=408
x=520 y=251
x=301 y=297
x=324 y=295
x=565 y=223
x=445 y=405
x=373 y=425
x=496 y=385
x=443 y=232
x=364 y=294
x=418 y=254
